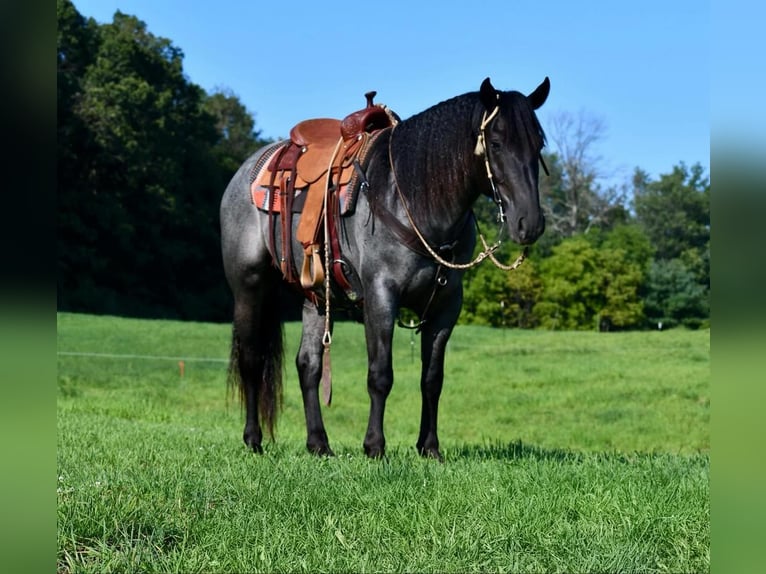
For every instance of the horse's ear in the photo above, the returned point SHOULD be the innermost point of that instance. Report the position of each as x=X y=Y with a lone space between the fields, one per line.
x=488 y=94
x=538 y=97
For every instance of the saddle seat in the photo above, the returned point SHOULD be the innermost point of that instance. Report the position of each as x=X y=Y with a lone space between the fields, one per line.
x=317 y=139
x=319 y=132
x=319 y=142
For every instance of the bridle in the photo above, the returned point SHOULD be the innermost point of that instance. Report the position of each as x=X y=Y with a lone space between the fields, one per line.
x=481 y=149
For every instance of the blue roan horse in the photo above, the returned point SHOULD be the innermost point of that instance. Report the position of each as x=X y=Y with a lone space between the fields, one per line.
x=405 y=245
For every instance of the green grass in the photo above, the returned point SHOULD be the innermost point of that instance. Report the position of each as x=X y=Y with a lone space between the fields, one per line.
x=564 y=452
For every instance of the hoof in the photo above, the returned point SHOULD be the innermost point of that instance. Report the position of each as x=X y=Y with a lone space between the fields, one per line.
x=375 y=451
x=430 y=450
x=431 y=453
x=253 y=443
x=320 y=449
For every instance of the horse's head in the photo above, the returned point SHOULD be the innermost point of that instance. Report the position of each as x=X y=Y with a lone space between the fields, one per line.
x=510 y=141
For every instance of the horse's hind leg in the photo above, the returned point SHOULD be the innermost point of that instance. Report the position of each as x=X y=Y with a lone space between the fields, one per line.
x=309 y=363
x=257 y=358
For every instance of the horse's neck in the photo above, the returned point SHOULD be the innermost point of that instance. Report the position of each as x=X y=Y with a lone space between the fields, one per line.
x=438 y=174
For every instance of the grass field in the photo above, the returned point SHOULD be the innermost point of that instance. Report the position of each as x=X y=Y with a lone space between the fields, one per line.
x=565 y=452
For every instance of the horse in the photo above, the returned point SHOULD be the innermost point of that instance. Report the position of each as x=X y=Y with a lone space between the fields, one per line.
x=408 y=242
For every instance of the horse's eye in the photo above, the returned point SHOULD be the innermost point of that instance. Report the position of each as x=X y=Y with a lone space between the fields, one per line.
x=495 y=145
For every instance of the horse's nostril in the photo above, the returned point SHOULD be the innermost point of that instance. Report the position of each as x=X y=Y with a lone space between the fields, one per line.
x=522 y=227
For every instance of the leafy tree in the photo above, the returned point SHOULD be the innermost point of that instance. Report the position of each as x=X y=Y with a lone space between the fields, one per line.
x=621 y=281
x=583 y=285
x=482 y=292
x=144 y=156
x=235 y=126
x=627 y=237
x=501 y=299
x=631 y=239
x=697 y=260
x=674 y=212
x=76 y=47
x=674 y=295
x=144 y=130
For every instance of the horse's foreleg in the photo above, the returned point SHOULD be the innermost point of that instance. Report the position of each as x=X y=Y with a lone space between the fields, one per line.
x=309 y=363
x=431 y=380
x=434 y=337
x=380 y=375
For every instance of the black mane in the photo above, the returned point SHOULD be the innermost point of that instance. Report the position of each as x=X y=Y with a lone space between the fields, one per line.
x=433 y=151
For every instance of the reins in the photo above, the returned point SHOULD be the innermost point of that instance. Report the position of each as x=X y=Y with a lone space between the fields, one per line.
x=488 y=252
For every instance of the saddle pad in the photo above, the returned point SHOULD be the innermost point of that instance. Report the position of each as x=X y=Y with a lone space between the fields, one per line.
x=261 y=197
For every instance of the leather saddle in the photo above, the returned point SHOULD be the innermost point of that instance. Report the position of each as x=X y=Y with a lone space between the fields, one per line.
x=312 y=171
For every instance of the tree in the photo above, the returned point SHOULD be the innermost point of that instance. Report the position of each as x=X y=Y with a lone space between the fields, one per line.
x=235 y=126
x=584 y=285
x=75 y=48
x=674 y=212
x=627 y=237
x=77 y=261
x=573 y=197
x=674 y=296
x=142 y=165
x=145 y=132
x=501 y=299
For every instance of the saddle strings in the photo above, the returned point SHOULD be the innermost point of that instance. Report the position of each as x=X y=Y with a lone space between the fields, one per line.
x=489 y=250
x=327 y=336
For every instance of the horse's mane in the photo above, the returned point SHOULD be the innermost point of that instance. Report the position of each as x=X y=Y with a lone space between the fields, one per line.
x=433 y=151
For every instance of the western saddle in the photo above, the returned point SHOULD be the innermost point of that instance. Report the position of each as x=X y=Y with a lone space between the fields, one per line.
x=316 y=173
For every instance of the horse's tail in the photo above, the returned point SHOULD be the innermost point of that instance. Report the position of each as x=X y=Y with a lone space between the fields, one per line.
x=265 y=360
x=233 y=379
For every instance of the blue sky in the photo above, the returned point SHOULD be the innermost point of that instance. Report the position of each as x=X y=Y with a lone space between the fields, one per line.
x=640 y=67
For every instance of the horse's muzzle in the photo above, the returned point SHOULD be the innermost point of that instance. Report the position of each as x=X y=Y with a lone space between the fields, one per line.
x=528 y=229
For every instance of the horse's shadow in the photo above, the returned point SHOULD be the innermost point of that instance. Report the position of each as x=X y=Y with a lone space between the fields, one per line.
x=517 y=450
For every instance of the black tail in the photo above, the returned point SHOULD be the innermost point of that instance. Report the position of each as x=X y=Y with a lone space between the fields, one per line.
x=233 y=380
x=263 y=361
